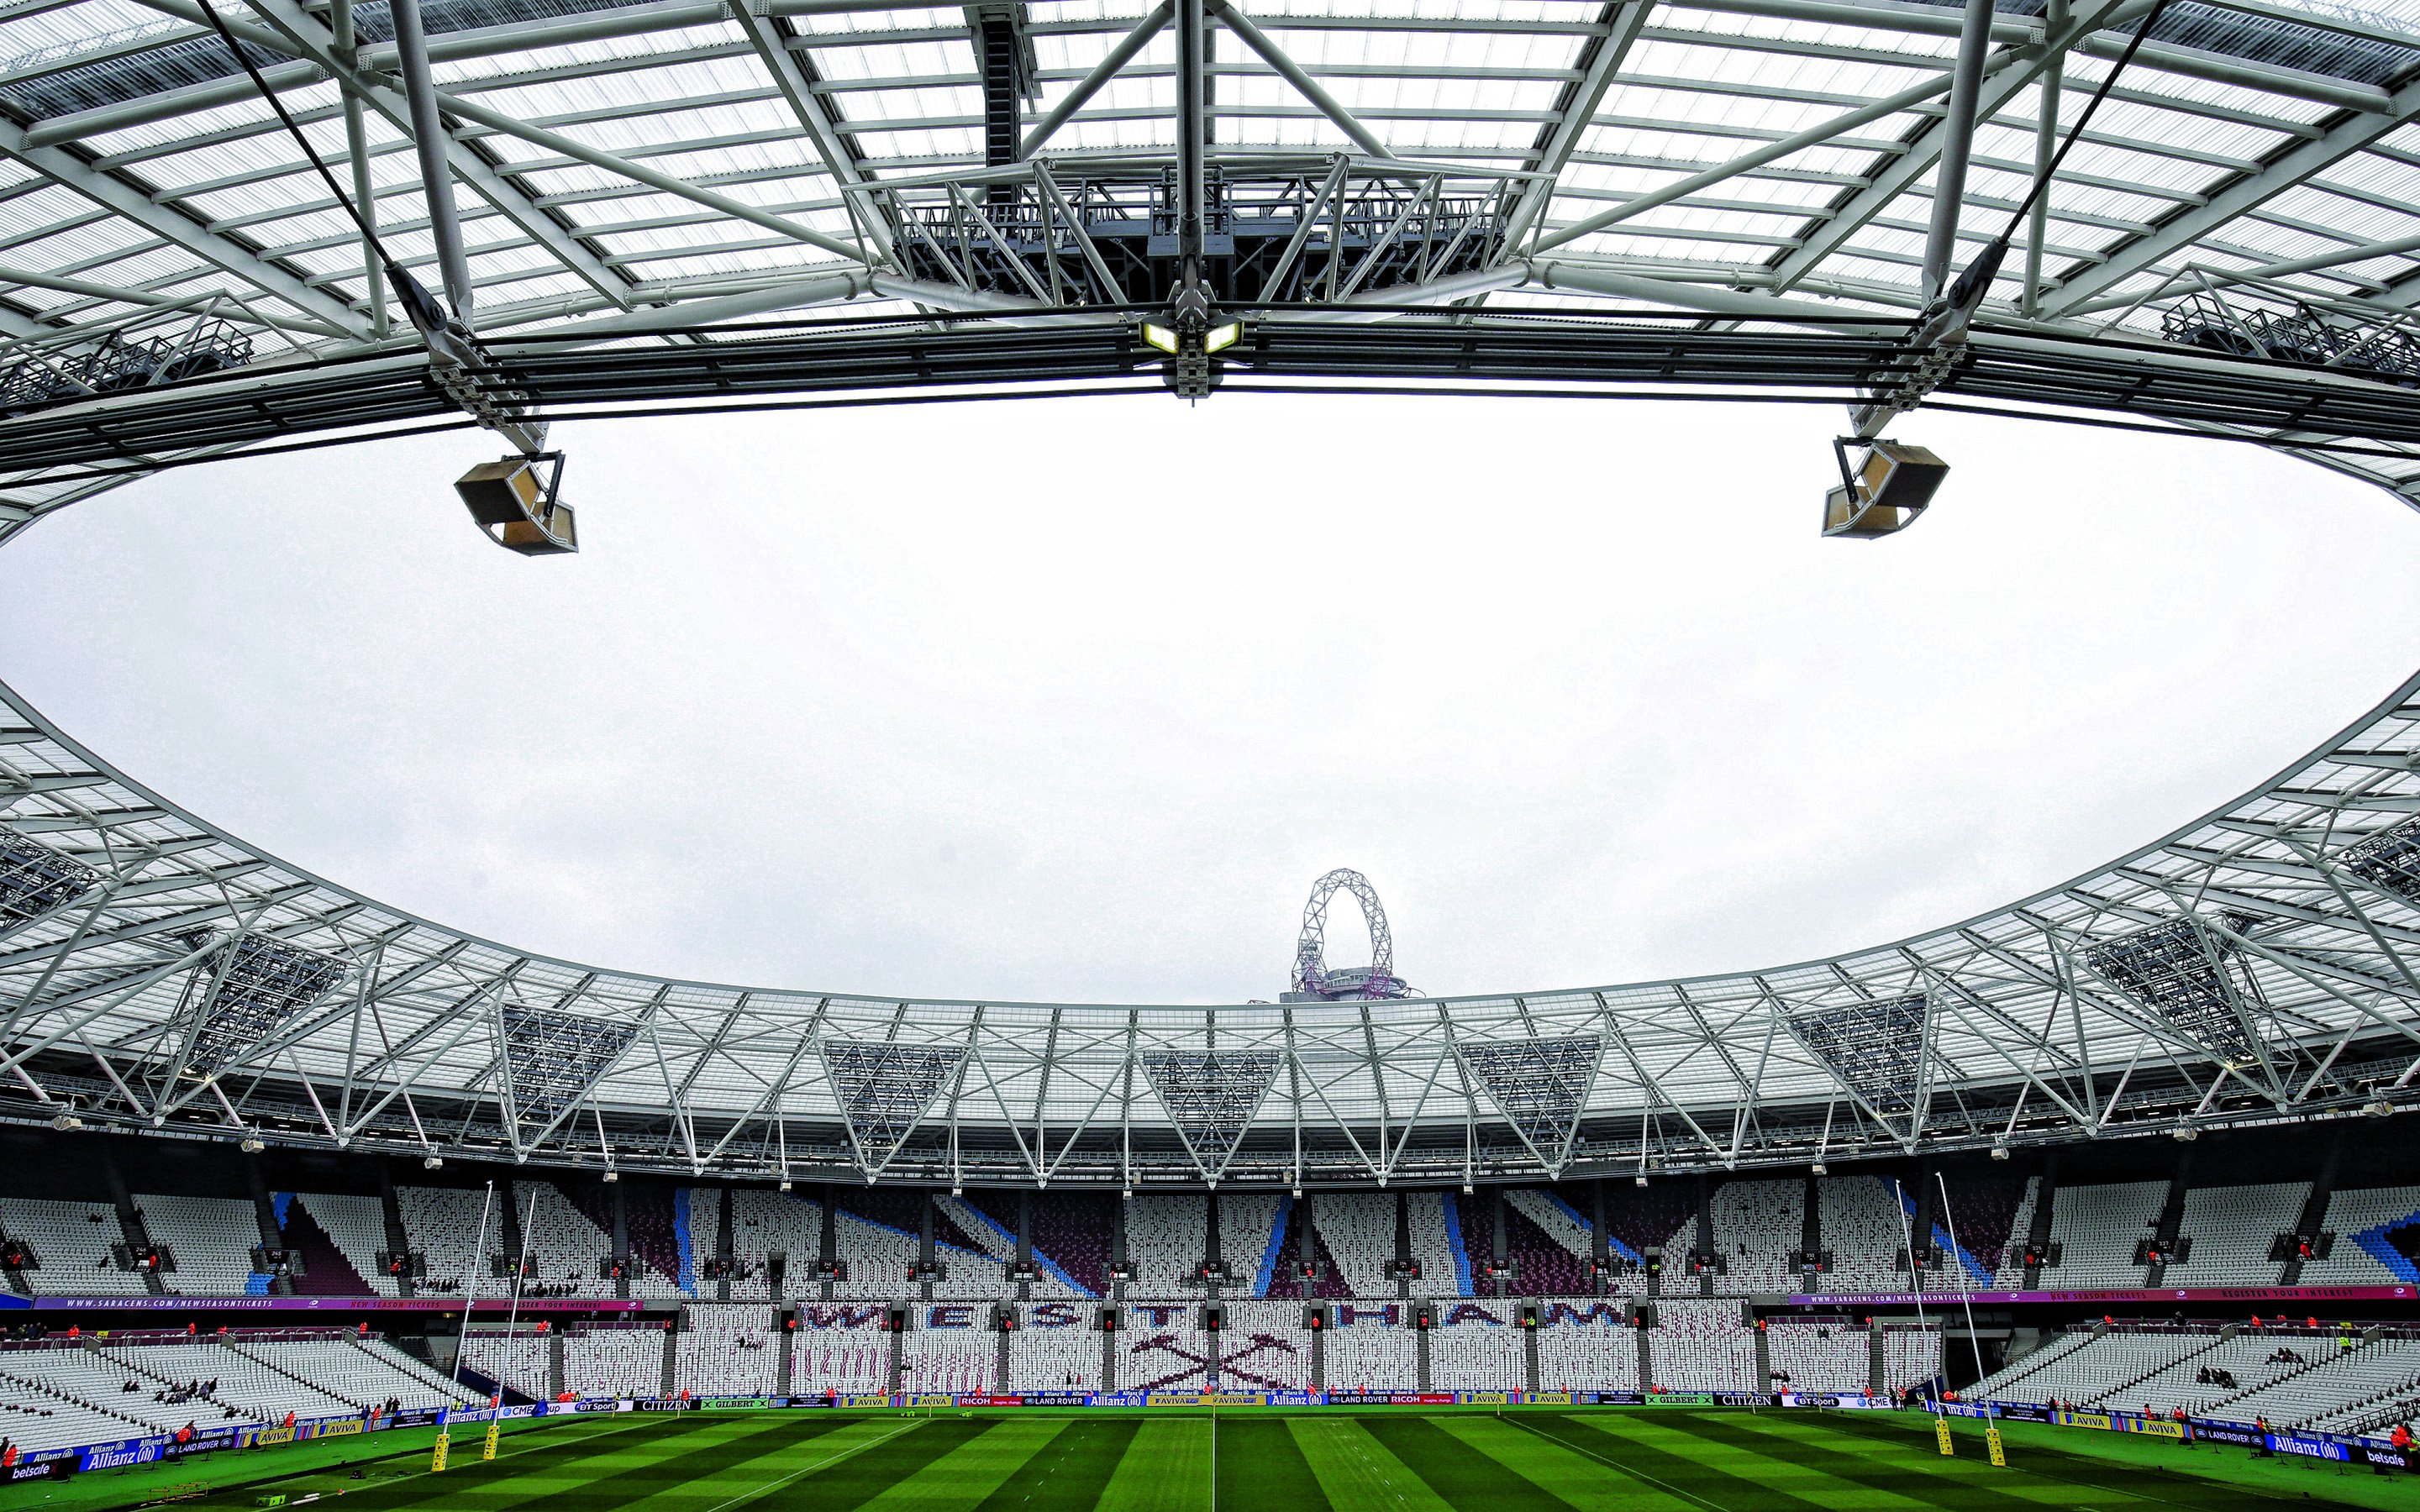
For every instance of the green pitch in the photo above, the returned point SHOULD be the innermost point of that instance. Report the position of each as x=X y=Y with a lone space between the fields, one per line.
x=1534 y=1461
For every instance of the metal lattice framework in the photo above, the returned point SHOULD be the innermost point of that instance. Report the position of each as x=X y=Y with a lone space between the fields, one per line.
x=2186 y=971
x=1876 y=1047
x=626 y=207
x=240 y=988
x=1211 y=1098
x=1541 y=1087
x=551 y=1059
x=2088 y=1010
x=36 y=879
x=1312 y=981
x=884 y=1092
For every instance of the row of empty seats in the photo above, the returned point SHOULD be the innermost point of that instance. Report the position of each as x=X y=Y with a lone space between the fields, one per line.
x=1862 y=1222
x=2335 y=1381
x=57 y=1393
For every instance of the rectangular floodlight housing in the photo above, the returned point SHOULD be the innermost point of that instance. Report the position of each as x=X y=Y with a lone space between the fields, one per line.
x=517 y=508
x=1884 y=495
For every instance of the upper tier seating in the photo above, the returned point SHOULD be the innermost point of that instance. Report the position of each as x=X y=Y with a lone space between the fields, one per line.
x=2097 y=1228
x=357 y=1227
x=1549 y=1241
x=71 y=1240
x=1757 y=1226
x=1445 y=1265
x=1359 y=1229
x=1248 y=1241
x=2233 y=1228
x=443 y=1224
x=766 y=1223
x=2360 y=1218
x=1862 y=1223
x=211 y=1240
x=1166 y=1238
x=2011 y=1275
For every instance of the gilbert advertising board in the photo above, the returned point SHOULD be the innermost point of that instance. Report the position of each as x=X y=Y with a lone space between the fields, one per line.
x=733 y=1404
x=1680 y=1398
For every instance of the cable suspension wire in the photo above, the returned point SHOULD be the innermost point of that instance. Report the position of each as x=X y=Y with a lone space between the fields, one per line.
x=418 y=302
x=1966 y=291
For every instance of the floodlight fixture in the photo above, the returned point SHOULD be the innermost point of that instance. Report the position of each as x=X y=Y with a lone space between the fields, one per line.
x=519 y=509
x=1883 y=492
x=613 y=1175
x=1221 y=337
x=251 y=1145
x=1159 y=337
x=1819 y=1168
x=432 y=1163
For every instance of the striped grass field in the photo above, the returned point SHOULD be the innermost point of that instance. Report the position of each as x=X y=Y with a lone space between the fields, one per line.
x=1388 y=1460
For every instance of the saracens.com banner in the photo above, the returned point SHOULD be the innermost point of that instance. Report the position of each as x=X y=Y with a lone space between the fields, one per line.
x=2291 y=1298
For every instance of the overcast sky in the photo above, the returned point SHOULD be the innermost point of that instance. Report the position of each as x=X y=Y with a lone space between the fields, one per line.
x=1073 y=701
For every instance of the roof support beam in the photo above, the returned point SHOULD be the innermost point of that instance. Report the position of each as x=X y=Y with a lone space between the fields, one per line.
x=1190 y=134
x=121 y=198
x=1956 y=139
x=1600 y=61
x=2298 y=163
x=1308 y=87
x=2005 y=76
x=296 y=31
x=1103 y=71
x=428 y=138
x=823 y=128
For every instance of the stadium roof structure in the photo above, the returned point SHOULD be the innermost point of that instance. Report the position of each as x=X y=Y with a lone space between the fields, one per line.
x=2256 y=966
x=2198 y=216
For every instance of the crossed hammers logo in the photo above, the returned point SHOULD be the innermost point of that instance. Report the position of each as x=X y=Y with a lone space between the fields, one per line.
x=1201 y=1364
